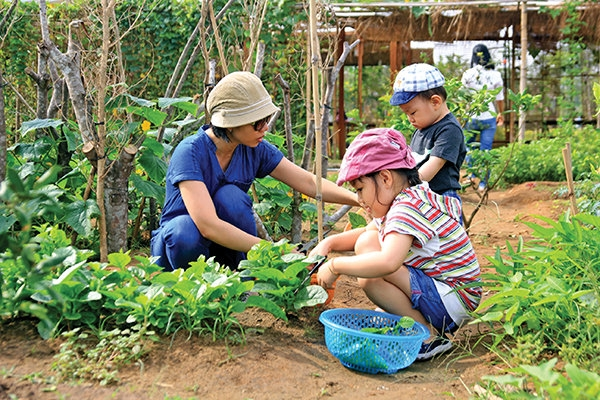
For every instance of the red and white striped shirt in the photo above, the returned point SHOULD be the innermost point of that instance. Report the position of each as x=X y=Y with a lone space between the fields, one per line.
x=441 y=247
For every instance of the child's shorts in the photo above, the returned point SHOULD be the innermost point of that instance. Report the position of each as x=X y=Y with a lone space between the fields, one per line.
x=427 y=300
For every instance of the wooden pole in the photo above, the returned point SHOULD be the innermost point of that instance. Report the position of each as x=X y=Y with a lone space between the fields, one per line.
x=359 y=97
x=566 y=153
x=523 y=76
x=340 y=117
x=315 y=61
x=394 y=64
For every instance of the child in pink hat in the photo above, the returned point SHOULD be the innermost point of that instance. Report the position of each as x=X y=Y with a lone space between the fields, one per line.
x=414 y=258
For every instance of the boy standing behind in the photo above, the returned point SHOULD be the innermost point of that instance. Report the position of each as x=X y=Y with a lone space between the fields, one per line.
x=438 y=144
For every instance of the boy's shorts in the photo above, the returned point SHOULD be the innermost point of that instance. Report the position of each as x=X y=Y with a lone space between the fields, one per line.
x=426 y=299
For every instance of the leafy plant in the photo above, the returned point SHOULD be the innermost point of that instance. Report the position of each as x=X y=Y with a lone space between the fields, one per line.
x=403 y=327
x=550 y=289
x=84 y=356
x=573 y=383
x=280 y=274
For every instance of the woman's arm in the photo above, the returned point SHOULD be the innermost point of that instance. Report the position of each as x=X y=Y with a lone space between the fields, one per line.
x=201 y=208
x=500 y=112
x=305 y=182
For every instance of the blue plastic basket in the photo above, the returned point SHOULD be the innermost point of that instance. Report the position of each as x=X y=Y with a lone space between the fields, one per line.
x=371 y=352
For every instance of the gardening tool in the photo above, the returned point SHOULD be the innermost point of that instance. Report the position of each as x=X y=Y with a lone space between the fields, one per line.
x=311 y=243
x=312 y=271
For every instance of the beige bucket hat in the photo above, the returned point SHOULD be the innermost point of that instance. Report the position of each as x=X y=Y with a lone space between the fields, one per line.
x=239 y=99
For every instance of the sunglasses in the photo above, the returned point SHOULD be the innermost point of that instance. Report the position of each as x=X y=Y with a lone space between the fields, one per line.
x=260 y=124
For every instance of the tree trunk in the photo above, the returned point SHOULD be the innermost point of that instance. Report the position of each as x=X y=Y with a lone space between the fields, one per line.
x=116 y=199
x=328 y=98
x=2 y=131
x=296 y=231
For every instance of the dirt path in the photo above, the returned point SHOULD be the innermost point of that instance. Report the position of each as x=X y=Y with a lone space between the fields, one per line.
x=287 y=361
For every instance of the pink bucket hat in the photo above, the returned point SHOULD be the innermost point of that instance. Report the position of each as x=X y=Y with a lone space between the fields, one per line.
x=374 y=150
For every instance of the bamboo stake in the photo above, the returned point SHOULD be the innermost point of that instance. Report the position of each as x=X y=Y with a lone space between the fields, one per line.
x=315 y=58
x=523 y=76
x=566 y=153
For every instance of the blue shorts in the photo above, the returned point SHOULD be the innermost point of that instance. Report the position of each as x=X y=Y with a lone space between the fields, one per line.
x=426 y=299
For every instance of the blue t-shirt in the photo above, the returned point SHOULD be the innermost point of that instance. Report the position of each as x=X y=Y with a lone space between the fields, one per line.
x=444 y=139
x=195 y=159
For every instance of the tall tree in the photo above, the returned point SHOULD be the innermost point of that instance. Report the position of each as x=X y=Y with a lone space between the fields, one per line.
x=3 y=134
x=112 y=175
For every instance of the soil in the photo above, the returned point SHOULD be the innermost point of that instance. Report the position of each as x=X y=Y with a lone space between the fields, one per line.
x=288 y=360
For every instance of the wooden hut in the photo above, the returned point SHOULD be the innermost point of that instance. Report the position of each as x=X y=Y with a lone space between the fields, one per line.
x=386 y=30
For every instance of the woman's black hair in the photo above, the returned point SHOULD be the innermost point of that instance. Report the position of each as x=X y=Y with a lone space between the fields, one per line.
x=481 y=56
x=221 y=133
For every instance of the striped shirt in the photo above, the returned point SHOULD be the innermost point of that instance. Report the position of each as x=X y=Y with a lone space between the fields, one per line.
x=441 y=247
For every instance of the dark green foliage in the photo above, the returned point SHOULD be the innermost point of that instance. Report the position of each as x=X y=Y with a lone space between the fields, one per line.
x=548 y=290
x=280 y=275
x=541 y=160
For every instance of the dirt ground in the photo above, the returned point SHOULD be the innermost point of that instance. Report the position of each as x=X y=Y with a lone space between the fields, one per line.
x=287 y=360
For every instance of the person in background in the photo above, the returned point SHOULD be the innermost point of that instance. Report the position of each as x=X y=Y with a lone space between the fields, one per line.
x=414 y=258
x=482 y=75
x=438 y=144
x=207 y=209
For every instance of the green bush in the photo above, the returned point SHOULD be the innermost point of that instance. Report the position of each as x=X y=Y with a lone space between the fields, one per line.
x=542 y=160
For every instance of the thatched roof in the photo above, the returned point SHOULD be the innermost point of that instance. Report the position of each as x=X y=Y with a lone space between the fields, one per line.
x=466 y=20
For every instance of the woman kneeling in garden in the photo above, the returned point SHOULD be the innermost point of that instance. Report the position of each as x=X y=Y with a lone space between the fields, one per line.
x=207 y=209
x=415 y=258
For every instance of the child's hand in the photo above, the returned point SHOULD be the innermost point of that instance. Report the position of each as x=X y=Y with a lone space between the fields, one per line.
x=325 y=276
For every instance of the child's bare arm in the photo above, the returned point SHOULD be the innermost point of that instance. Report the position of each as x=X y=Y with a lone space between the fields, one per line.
x=340 y=242
x=430 y=168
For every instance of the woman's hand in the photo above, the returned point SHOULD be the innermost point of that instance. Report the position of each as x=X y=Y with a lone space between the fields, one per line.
x=499 y=120
x=326 y=275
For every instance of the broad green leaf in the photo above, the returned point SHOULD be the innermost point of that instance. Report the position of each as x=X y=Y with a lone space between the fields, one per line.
x=129 y=304
x=6 y=223
x=548 y=299
x=48 y=177
x=148 y=189
x=15 y=181
x=183 y=103
x=311 y=296
x=582 y=378
x=29 y=126
x=292 y=257
x=154 y=146
x=164 y=102
x=512 y=310
x=543 y=372
x=67 y=274
x=492 y=316
x=119 y=259
x=508 y=294
x=93 y=295
x=156 y=117
x=141 y=102
x=267 y=305
x=356 y=220
x=154 y=165
x=79 y=215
